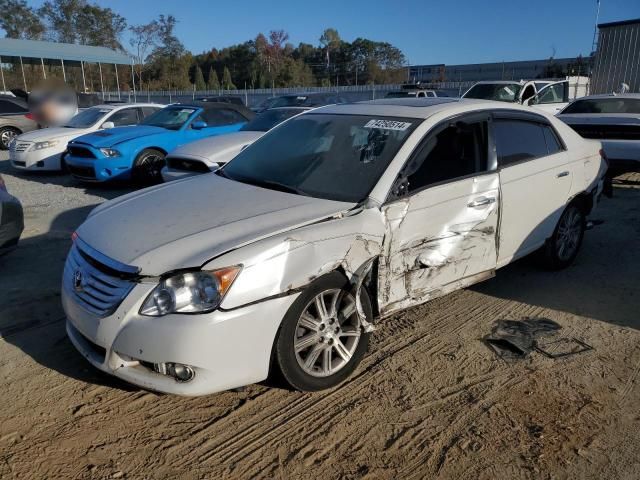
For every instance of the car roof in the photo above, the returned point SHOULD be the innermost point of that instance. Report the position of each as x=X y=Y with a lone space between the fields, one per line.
x=503 y=82
x=610 y=95
x=415 y=107
x=115 y=106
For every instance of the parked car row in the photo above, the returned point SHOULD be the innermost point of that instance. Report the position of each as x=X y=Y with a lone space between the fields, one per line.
x=288 y=255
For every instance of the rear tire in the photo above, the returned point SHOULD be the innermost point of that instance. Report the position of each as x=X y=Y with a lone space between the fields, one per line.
x=147 y=167
x=6 y=135
x=562 y=248
x=318 y=348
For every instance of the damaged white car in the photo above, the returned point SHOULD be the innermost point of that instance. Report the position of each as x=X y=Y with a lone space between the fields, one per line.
x=287 y=256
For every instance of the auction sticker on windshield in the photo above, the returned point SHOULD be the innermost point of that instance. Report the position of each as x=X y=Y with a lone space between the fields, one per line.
x=387 y=125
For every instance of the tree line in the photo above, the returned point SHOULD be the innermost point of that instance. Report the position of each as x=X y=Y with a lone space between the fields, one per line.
x=161 y=61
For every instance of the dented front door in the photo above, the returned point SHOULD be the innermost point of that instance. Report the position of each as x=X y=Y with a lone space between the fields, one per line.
x=438 y=240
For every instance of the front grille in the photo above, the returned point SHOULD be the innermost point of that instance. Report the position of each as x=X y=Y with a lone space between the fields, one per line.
x=608 y=132
x=82 y=172
x=187 y=165
x=80 y=152
x=19 y=163
x=98 y=351
x=20 y=146
x=97 y=287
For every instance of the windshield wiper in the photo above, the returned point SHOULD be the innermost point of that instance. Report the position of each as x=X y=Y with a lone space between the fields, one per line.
x=272 y=185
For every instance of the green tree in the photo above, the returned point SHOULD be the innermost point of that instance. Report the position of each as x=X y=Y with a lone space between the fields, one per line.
x=199 y=79
x=212 y=80
x=19 y=20
x=143 y=38
x=77 y=21
x=227 y=83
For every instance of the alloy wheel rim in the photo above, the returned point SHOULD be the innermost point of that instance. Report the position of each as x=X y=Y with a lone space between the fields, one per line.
x=327 y=333
x=151 y=165
x=7 y=136
x=569 y=231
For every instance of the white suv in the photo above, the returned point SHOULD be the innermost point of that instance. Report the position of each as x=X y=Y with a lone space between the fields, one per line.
x=288 y=255
x=44 y=149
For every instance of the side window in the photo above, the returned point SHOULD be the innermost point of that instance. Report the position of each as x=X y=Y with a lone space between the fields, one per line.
x=146 y=111
x=221 y=116
x=553 y=145
x=127 y=116
x=431 y=94
x=557 y=93
x=457 y=151
x=518 y=140
x=7 y=106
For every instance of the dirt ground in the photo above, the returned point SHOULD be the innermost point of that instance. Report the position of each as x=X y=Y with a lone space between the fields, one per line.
x=429 y=401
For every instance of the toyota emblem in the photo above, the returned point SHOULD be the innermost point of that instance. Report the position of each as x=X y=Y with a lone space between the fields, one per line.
x=77 y=281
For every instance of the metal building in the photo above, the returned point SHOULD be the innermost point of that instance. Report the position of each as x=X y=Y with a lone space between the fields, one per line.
x=617 y=57
x=39 y=53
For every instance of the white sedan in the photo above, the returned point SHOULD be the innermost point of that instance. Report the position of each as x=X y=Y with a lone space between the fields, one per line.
x=44 y=149
x=286 y=257
x=209 y=154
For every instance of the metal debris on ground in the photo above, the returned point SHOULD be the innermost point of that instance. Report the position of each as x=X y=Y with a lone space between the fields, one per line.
x=516 y=339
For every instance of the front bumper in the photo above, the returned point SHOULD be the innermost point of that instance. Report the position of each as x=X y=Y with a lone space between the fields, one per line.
x=99 y=168
x=38 y=160
x=226 y=349
x=11 y=222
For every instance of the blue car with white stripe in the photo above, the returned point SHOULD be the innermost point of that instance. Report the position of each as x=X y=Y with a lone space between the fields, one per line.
x=137 y=153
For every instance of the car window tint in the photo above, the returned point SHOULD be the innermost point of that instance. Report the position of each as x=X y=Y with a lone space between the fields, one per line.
x=221 y=116
x=553 y=145
x=605 y=105
x=518 y=140
x=146 y=111
x=7 y=106
x=121 y=118
x=553 y=94
x=457 y=151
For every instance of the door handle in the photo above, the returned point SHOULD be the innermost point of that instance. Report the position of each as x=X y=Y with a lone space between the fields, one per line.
x=481 y=201
x=562 y=174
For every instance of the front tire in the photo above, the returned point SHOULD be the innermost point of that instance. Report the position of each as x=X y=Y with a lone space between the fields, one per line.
x=321 y=340
x=6 y=135
x=562 y=248
x=147 y=167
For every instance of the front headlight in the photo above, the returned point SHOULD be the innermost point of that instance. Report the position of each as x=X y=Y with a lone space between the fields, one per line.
x=190 y=292
x=110 y=152
x=42 y=145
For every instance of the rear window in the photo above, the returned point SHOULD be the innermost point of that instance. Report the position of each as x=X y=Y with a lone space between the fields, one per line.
x=7 y=106
x=605 y=105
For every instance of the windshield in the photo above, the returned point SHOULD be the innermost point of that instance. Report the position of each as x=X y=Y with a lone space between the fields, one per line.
x=605 y=105
x=335 y=157
x=171 y=118
x=88 y=117
x=269 y=119
x=495 y=91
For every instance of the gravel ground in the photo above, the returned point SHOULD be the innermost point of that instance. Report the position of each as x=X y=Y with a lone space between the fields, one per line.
x=430 y=400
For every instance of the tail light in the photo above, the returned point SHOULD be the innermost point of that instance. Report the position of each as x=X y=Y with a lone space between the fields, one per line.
x=74 y=236
x=29 y=116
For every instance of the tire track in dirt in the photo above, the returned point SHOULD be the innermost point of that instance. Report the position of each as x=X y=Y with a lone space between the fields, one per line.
x=313 y=409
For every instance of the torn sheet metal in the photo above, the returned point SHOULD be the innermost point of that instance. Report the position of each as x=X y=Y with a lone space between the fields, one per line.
x=437 y=239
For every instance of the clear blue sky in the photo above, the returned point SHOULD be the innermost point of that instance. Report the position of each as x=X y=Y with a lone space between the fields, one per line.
x=451 y=31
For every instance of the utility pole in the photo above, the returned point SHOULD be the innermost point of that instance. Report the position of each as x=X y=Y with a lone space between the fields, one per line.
x=594 y=43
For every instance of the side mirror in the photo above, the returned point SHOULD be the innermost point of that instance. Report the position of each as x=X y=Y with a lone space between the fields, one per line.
x=107 y=125
x=199 y=125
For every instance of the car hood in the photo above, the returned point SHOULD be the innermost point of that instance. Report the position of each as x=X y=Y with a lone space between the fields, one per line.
x=185 y=223
x=600 y=118
x=54 y=133
x=219 y=149
x=113 y=136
